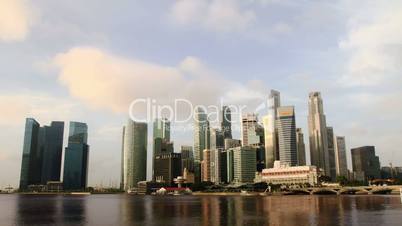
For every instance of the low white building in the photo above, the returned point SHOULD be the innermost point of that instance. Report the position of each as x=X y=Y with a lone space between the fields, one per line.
x=286 y=175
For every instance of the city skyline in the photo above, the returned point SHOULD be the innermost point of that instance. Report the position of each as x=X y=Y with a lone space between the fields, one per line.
x=246 y=49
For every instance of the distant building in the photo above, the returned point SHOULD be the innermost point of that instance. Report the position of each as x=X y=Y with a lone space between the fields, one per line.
x=340 y=157
x=226 y=123
x=252 y=132
x=215 y=166
x=167 y=167
x=232 y=143
x=244 y=164
x=270 y=129
x=161 y=129
x=366 y=165
x=230 y=165
x=217 y=139
x=223 y=166
x=301 y=147
x=286 y=175
x=187 y=159
x=76 y=158
x=331 y=153
x=390 y=172
x=135 y=153
x=201 y=140
x=286 y=123
x=122 y=160
x=42 y=153
x=318 y=133
x=206 y=166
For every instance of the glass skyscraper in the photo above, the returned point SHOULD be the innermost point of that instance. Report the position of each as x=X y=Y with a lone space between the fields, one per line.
x=226 y=122
x=270 y=129
x=286 y=123
x=76 y=157
x=135 y=153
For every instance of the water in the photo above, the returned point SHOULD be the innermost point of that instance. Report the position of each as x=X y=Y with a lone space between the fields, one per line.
x=199 y=210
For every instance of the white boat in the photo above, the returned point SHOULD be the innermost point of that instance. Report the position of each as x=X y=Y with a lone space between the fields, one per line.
x=245 y=193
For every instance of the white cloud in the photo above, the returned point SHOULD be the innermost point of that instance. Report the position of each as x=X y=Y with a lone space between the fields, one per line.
x=215 y=15
x=16 y=17
x=104 y=80
x=374 y=44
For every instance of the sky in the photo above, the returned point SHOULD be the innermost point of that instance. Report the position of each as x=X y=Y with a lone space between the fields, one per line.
x=87 y=60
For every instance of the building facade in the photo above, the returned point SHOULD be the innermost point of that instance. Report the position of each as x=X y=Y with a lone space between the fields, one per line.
x=167 y=168
x=135 y=153
x=331 y=152
x=232 y=143
x=252 y=132
x=366 y=165
x=244 y=164
x=286 y=123
x=340 y=157
x=318 y=133
x=206 y=166
x=226 y=122
x=284 y=174
x=301 y=148
x=75 y=175
x=270 y=129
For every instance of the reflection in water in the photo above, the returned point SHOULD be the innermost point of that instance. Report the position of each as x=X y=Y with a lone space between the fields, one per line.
x=204 y=210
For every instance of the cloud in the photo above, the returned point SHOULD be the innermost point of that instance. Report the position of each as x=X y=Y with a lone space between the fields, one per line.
x=103 y=80
x=16 y=18
x=215 y=15
x=374 y=44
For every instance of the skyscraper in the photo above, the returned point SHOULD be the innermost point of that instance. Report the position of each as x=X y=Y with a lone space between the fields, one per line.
x=318 y=133
x=217 y=139
x=286 y=123
x=51 y=149
x=270 y=129
x=42 y=153
x=30 y=170
x=122 y=160
x=331 y=153
x=76 y=157
x=201 y=133
x=244 y=164
x=252 y=132
x=135 y=153
x=226 y=122
x=232 y=143
x=215 y=165
x=206 y=166
x=187 y=159
x=340 y=157
x=167 y=167
x=161 y=129
x=366 y=165
x=301 y=147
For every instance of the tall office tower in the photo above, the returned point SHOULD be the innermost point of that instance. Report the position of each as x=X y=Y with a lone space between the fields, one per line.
x=215 y=165
x=76 y=157
x=161 y=129
x=232 y=143
x=122 y=161
x=301 y=147
x=340 y=157
x=51 y=149
x=187 y=159
x=201 y=133
x=206 y=166
x=366 y=165
x=30 y=170
x=135 y=153
x=226 y=122
x=270 y=129
x=286 y=122
x=244 y=164
x=252 y=132
x=318 y=133
x=260 y=152
x=331 y=153
x=223 y=166
x=230 y=165
x=167 y=167
x=42 y=153
x=217 y=139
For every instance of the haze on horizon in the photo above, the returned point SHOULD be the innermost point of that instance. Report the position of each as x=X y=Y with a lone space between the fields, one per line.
x=86 y=61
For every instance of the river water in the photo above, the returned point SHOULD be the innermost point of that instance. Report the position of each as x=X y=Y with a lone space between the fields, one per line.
x=199 y=210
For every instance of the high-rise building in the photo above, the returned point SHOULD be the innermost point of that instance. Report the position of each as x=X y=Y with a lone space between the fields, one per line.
x=318 y=133
x=301 y=147
x=30 y=170
x=226 y=122
x=252 y=132
x=217 y=139
x=331 y=152
x=206 y=166
x=232 y=143
x=340 y=157
x=230 y=165
x=76 y=157
x=201 y=133
x=244 y=164
x=187 y=159
x=135 y=153
x=42 y=153
x=270 y=129
x=167 y=167
x=286 y=123
x=122 y=160
x=366 y=165
x=223 y=166
x=51 y=148
x=215 y=165
x=161 y=129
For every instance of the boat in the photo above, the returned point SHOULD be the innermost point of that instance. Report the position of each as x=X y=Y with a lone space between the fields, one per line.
x=245 y=193
x=80 y=193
